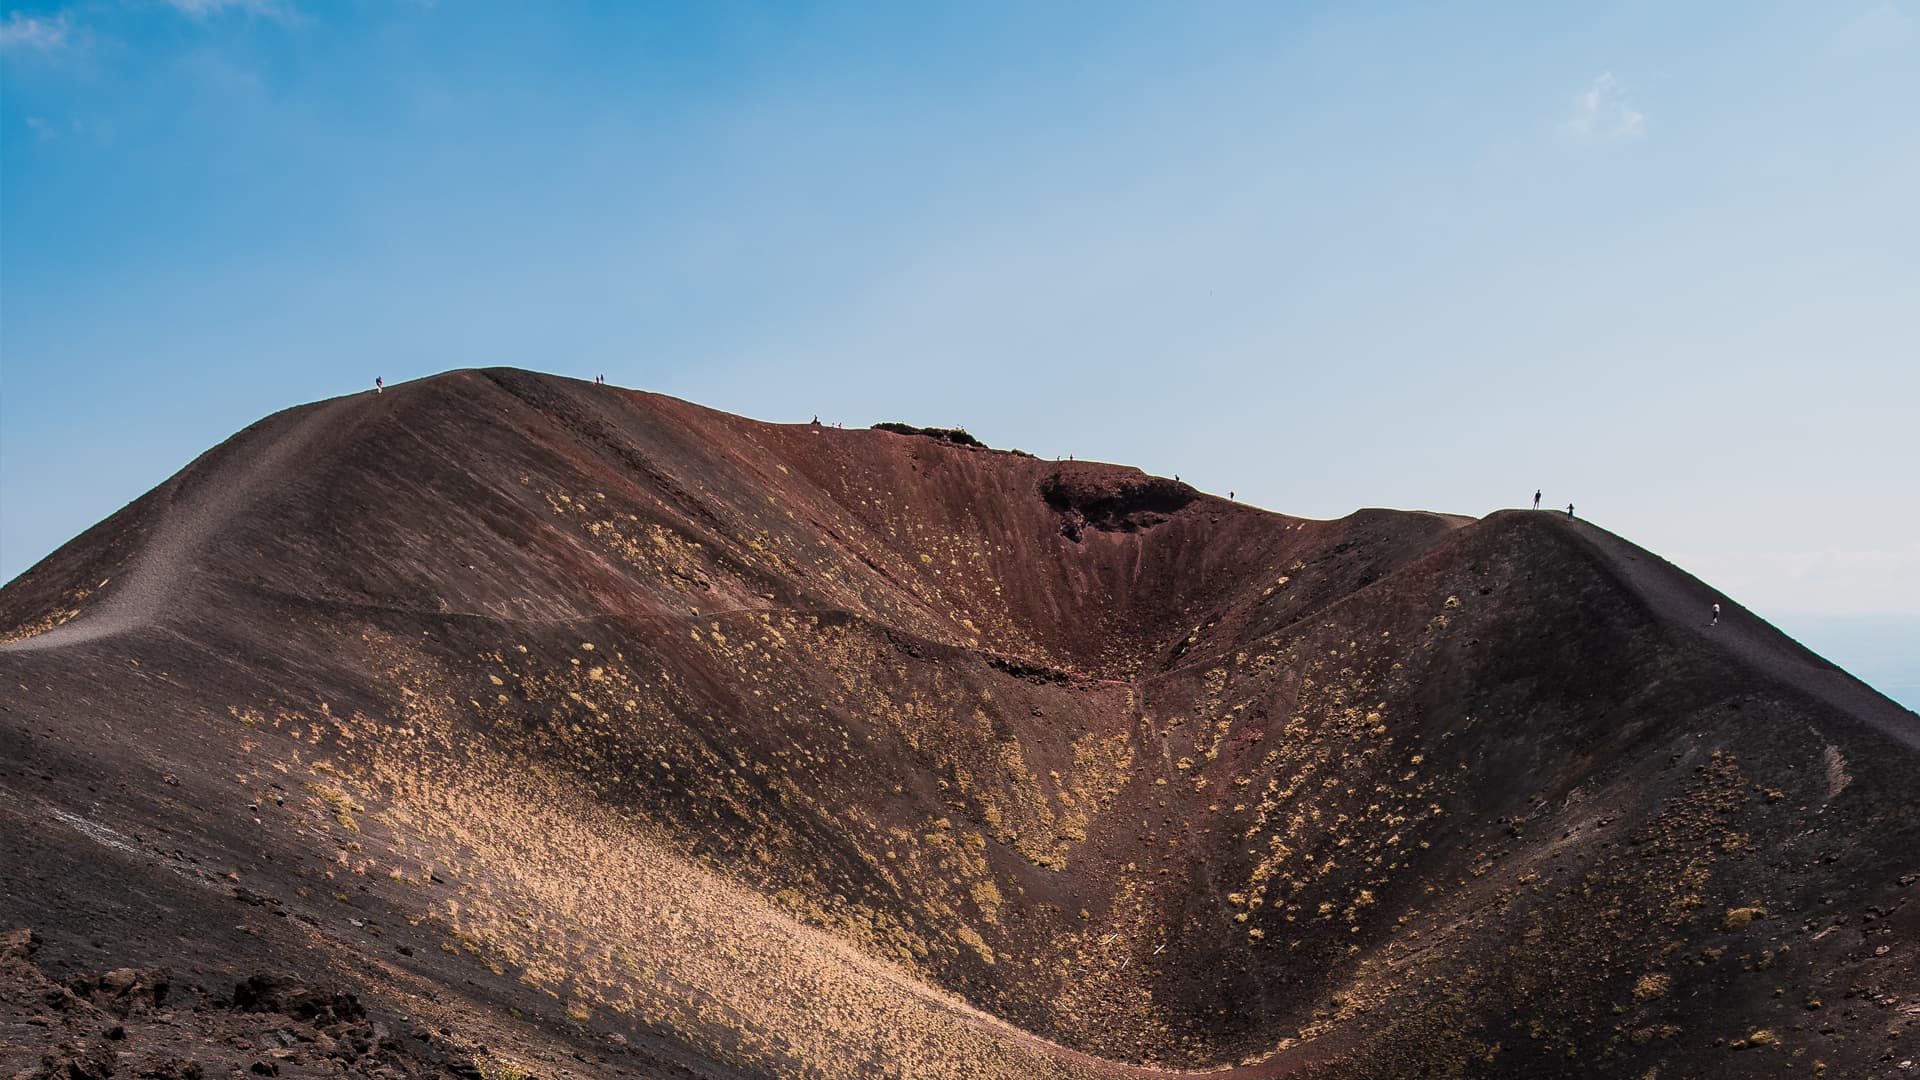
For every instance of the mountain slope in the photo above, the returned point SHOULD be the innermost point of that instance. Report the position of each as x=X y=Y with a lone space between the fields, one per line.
x=792 y=751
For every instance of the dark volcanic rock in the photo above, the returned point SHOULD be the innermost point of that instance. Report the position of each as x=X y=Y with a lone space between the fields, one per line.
x=125 y=991
x=280 y=994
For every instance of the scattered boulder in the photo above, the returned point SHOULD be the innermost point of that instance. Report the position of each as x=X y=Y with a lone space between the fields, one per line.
x=291 y=997
x=125 y=991
x=76 y=1061
x=18 y=944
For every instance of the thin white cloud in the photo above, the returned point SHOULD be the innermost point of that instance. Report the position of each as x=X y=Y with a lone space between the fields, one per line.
x=1881 y=27
x=202 y=9
x=1630 y=124
x=23 y=31
x=1601 y=112
x=1879 y=21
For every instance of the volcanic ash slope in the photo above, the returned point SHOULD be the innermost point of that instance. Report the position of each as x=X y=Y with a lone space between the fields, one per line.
x=574 y=730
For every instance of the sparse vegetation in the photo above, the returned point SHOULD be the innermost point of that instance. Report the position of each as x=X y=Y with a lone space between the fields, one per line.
x=957 y=436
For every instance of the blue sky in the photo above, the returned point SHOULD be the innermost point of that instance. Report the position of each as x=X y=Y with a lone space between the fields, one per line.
x=1656 y=259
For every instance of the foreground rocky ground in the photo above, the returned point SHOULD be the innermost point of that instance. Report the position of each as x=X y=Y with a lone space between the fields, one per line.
x=139 y=1022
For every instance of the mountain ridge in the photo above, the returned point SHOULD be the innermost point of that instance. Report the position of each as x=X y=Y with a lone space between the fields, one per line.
x=871 y=688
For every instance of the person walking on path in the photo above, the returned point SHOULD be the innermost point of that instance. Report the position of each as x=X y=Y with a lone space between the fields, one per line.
x=1716 y=615
x=1536 y=498
x=379 y=385
x=1569 y=511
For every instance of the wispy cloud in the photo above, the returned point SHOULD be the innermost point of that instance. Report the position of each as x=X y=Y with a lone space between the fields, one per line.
x=1877 y=26
x=1601 y=112
x=23 y=31
x=202 y=9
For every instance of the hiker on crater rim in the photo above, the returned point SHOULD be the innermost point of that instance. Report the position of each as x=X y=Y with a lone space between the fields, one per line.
x=379 y=385
x=1536 y=498
x=1569 y=511
x=1716 y=614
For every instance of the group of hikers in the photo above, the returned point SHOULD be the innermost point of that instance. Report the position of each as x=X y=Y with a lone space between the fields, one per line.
x=1536 y=503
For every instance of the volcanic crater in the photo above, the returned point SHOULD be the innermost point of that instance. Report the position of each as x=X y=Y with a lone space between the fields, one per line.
x=502 y=724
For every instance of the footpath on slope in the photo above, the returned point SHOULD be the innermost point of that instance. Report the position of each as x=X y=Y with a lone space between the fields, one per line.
x=1686 y=603
x=165 y=563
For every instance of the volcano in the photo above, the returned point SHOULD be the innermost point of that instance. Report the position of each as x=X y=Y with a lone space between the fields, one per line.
x=506 y=725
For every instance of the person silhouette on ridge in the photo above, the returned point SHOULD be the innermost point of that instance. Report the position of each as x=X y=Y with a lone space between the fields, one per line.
x=379 y=385
x=1536 y=498
x=1569 y=511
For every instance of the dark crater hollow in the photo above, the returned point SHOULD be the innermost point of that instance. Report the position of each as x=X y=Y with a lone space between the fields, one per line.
x=1113 y=504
